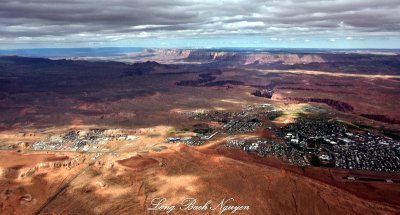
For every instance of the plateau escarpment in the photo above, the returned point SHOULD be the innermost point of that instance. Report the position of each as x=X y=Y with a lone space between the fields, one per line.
x=237 y=58
x=323 y=61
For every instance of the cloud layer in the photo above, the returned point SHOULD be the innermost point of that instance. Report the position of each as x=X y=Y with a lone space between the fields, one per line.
x=83 y=21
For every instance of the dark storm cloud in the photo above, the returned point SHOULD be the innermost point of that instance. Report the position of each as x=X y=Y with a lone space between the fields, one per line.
x=123 y=19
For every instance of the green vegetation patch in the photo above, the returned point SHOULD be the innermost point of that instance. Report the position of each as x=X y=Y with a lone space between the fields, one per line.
x=275 y=116
x=175 y=131
x=202 y=130
x=392 y=134
x=363 y=126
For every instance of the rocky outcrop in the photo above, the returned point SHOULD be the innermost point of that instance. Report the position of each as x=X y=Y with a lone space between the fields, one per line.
x=237 y=58
x=138 y=69
x=289 y=59
x=207 y=80
x=263 y=93
x=20 y=171
x=168 y=53
x=322 y=61
x=246 y=59
x=223 y=83
x=203 y=78
x=381 y=118
x=338 y=105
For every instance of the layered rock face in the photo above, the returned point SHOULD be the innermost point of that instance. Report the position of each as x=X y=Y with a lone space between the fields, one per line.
x=235 y=57
x=168 y=53
x=283 y=58
x=244 y=58
x=21 y=171
x=329 y=61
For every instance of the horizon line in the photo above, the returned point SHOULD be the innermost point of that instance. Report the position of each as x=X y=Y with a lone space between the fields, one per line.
x=200 y=48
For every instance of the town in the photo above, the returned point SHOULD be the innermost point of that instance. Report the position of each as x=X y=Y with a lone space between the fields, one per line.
x=248 y=120
x=263 y=147
x=329 y=143
x=310 y=141
x=91 y=140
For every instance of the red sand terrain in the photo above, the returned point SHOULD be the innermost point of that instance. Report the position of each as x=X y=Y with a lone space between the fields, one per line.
x=381 y=192
x=183 y=172
x=127 y=183
x=128 y=176
x=37 y=177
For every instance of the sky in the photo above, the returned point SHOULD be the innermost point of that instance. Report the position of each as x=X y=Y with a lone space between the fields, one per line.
x=200 y=23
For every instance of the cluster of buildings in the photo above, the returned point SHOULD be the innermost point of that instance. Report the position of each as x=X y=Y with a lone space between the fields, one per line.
x=197 y=140
x=189 y=140
x=216 y=116
x=245 y=121
x=367 y=152
x=232 y=123
x=263 y=147
x=315 y=141
x=250 y=119
x=328 y=143
x=241 y=125
x=80 y=140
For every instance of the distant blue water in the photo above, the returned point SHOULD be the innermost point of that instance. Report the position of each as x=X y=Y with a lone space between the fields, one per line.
x=70 y=52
